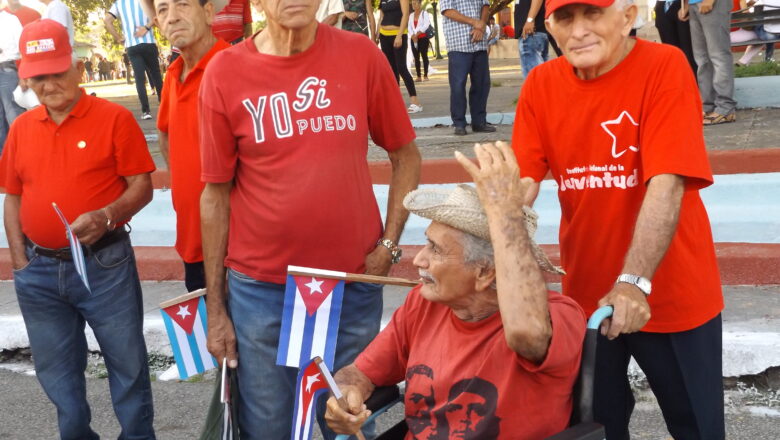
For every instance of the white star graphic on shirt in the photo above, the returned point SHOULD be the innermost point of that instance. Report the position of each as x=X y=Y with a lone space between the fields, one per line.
x=184 y=311
x=311 y=380
x=314 y=286
x=618 y=122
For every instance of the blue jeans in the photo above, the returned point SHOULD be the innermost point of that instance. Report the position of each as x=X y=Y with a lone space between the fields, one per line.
x=9 y=110
x=533 y=51
x=461 y=66
x=764 y=35
x=266 y=390
x=55 y=305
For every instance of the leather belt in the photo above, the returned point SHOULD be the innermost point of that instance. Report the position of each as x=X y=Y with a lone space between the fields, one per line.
x=64 y=254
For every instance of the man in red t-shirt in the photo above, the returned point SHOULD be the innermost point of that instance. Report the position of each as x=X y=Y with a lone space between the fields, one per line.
x=23 y=13
x=177 y=120
x=234 y=22
x=88 y=156
x=487 y=352
x=283 y=155
x=617 y=122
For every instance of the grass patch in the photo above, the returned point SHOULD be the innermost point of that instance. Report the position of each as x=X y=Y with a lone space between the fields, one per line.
x=767 y=68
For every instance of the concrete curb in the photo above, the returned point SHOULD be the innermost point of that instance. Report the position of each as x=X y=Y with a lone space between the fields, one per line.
x=760 y=160
x=757 y=91
x=739 y=263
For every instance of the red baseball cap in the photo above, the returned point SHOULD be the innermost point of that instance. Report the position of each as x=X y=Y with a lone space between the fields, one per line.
x=551 y=5
x=45 y=48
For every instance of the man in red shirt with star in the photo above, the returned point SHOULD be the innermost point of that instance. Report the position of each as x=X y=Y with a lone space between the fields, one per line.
x=617 y=122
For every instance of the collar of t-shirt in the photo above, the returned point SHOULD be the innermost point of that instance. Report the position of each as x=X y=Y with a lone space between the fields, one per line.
x=78 y=111
x=177 y=66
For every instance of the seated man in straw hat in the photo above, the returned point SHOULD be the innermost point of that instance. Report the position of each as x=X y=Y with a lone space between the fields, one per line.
x=486 y=350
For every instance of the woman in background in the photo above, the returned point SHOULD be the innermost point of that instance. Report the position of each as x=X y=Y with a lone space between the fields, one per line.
x=418 y=26
x=393 y=22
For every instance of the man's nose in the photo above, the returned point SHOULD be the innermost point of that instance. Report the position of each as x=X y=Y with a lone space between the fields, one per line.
x=580 y=26
x=420 y=259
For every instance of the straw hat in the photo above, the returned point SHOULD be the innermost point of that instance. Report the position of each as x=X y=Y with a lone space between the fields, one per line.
x=148 y=6
x=461 y=209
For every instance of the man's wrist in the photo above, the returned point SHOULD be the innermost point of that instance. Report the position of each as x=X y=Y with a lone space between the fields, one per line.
x=392 y=247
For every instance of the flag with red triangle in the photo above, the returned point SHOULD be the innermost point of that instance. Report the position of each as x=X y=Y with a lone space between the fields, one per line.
x=310 y=320
x=310 y=385
x=185 y=323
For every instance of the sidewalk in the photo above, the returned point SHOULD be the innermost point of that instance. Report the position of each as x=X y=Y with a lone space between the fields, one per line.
x=751 y=323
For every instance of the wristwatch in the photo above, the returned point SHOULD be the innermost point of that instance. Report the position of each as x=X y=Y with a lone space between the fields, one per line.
x=529 y=20
x=395 y=251
x=641 y=283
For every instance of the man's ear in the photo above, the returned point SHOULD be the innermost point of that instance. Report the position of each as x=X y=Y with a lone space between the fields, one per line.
x=209 y=7
x=486 y=277
x=630 y=13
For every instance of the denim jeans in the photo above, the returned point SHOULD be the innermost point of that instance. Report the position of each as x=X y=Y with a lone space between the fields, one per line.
x=463 y=65
x=266 y=391
x=764 y=35
x=533 y=51
x=55 y=305
x=9 y=110
x=144 y=58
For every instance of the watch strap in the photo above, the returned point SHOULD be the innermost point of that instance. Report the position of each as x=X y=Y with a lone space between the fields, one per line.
x=640 y=282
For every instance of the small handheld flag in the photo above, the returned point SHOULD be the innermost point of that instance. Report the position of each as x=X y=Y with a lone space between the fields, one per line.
x=185 y=323
x=77 y=253
x=310 y=320
x=309 y=387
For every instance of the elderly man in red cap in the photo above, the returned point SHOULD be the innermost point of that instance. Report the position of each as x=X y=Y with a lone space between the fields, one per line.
x=481 y=329
x=89 y=157
x=617 y=121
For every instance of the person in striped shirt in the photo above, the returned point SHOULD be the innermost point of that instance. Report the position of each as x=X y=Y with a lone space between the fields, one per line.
x=141 y=47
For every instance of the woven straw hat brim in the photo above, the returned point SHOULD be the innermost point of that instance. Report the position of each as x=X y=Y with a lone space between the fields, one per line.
x=462 y=210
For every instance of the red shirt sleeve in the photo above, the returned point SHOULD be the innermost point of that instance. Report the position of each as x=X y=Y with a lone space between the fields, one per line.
x=11 y=181
x=671 y=134
x=526 y=137
x=388 y=121
x=130 y=149
x=218 y=146
x=162 y=113
x=568 y=333
x=384 y=360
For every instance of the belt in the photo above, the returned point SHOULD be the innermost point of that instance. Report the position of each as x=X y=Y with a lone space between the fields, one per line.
x=106 y=240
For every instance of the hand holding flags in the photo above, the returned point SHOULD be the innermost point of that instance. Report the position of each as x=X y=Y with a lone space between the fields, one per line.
x=77 y=253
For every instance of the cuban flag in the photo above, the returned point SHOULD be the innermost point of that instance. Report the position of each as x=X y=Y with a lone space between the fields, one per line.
x=77 y=254
x=310 y=320
x=310 y=385
x=185 y=323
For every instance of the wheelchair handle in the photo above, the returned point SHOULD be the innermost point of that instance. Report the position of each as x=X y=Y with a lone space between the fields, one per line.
x=599 y=315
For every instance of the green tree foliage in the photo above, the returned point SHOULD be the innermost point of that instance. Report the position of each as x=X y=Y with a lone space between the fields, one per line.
x=81 y=10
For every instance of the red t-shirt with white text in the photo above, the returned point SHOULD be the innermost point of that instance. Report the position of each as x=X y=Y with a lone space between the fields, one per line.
x=603 y=139
x=292 y=132
x=463 y=380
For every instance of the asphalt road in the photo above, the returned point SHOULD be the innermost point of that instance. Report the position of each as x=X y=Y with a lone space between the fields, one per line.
x=26 y=414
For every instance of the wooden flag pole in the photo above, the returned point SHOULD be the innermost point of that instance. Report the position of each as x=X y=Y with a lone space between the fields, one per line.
x=334 y=388
x=362 y=278
x=187 y=296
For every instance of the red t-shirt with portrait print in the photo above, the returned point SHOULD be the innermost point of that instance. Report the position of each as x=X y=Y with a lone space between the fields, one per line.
x=292 y=134
x=463 y=380
x=603 y=140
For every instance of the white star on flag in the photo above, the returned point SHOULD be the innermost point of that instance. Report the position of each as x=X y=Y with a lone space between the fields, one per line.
x=314 y=286
x=311 y=380
x=184 y=311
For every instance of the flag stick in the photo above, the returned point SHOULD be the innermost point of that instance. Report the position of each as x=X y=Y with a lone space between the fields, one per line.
x=363 y=278
x=334 y=388
x=179 y=299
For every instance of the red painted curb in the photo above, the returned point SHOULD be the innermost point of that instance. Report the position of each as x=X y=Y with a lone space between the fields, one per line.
x=759 y=160
x=740 y=263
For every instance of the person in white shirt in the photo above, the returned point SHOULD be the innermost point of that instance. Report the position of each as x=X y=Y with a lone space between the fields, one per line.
x=59 y=12
x=330 y=12
x=419 y=22
x=10 y=30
